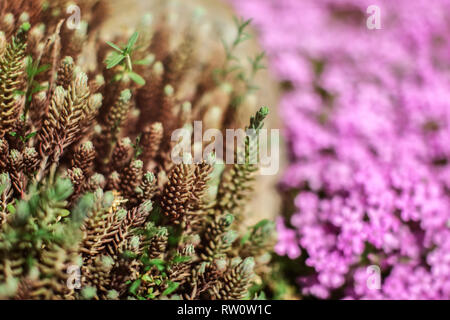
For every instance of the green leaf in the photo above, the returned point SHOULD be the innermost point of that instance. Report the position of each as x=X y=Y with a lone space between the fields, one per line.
x=132 y=42
x=135 y=286
x=245 y=238
x=243 y=37
x=233 y=58
x=114 y=46
x=139 y=151
x=146 y=278
x=241 y=76
x=158 y=263
x=26 y=26
x=151 y=294
x=88 y=293
x=113 y=60
x=13 y=134
x=128 y=255
x=19 y=92
x=181 y=259
x=252 y=87
x=155 y=262
x=172 y=287
x=264 y=222
x=43 y=68
x=136 y=78
x=261 y=296
x=118 y=77
x=256 y=62
x=244 y=24
x=64 y=213
x=82 y=208
x=63 y=189
x=233 y=69
x=29 y=66
x=37 y=89
x=264 y=111
x=11 y=208
x=143 y=62
x=30 y=135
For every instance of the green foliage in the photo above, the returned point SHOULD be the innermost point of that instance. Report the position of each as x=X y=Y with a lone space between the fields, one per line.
x=172 y=286
x=257 y=121
x=25 y=27
x=241 y=36
x=232 y=65
x=33 y=69
x=85 y=204
x=135 y=286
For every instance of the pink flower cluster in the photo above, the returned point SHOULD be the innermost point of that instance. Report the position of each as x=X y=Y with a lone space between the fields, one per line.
x=368 y=127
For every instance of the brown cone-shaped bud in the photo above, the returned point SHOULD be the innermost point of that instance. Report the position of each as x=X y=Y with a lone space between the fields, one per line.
x=148 y=188
x=149 y=96
x=96 y=181
x=160 y=46
x=177 y=193
x=4 y=151
x=113 y=181
x=202 y=174
x=118 y=113
x=168 y=116
x=121 y=154
x=235 y=283
x=77 y=178
x=158 y=244
x=31 y=160
x=65 y=73
x=15 y=166
x=84 y=157
x=130 y=178
x=179 y=61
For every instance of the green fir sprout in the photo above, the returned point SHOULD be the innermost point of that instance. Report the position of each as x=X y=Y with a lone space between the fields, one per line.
x=32 y=69
x=138 y=149
x=25 y=138
x=241 y=36
x=122 y=56
x=172 y=286
x=232 y=65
